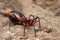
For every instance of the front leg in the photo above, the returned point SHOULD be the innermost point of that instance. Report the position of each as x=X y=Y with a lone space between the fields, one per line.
x=24 y=34
x=31 y=16
x=39 y=23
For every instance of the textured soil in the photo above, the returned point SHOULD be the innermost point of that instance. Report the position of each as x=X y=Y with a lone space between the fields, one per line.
x=46 y=9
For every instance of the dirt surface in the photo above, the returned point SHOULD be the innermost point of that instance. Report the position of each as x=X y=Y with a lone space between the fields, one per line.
x=46 y=9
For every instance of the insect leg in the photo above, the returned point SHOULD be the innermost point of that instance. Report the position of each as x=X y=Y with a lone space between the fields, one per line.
x=31 y=15
x=24 y=32
x=35 y=31
x=39 y=23
x=9 y=25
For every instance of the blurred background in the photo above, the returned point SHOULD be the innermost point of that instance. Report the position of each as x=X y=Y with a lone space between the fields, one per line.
x=47 y=9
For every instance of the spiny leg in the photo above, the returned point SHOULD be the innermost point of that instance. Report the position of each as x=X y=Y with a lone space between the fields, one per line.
x=9 y=25
x=24 y=34
x=34 y=30
x=39 y=23
x=31 y=16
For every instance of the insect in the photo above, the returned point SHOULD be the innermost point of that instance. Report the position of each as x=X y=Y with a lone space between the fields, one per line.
x=19 y=18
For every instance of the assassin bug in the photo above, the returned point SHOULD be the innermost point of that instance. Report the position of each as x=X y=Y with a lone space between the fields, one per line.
x=19 y=18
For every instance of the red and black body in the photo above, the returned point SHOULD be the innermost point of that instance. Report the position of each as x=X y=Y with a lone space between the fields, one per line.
x=19 y=18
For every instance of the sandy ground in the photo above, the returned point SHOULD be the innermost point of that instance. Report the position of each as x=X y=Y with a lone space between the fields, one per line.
x=46 y=9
